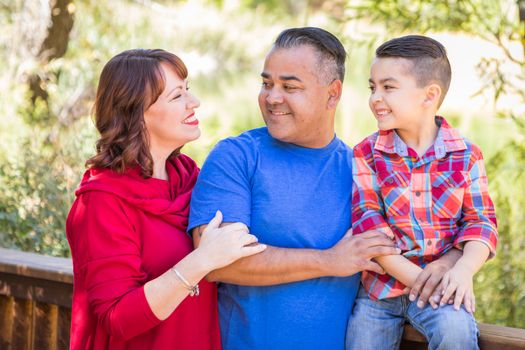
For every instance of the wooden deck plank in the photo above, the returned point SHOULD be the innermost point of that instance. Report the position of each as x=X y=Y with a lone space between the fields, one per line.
x=46 y=322
x=7 y=305
x=64 y=325
x=22 y=335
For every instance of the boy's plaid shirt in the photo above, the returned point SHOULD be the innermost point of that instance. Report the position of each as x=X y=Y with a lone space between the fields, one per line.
x=429 y=204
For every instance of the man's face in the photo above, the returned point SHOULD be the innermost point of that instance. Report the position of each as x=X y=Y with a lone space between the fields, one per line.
x=294 y=98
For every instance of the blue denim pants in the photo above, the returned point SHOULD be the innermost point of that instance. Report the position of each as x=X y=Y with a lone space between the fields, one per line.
x=378 y=325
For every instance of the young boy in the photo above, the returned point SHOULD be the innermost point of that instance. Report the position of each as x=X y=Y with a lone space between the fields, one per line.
x=421 y=183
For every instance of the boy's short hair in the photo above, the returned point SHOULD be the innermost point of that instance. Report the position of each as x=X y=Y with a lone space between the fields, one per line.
x=428 y=56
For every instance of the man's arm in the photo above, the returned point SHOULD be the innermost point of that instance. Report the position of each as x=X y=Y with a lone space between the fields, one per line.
x=276 y=265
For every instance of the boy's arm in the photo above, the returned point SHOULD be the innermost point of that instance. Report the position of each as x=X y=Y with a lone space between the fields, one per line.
x=399 y=267
x=478 y=220
x=475 y=254
x=368 y=214
x=477 y=237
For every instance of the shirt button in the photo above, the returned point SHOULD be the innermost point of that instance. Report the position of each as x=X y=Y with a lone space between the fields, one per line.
x=429 y=242
x=390 y=181
x=418 y=193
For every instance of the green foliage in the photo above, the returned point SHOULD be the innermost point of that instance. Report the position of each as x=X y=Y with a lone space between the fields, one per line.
x=500 y=285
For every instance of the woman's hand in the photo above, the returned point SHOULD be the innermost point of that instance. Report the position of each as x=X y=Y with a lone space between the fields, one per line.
x=221 y=246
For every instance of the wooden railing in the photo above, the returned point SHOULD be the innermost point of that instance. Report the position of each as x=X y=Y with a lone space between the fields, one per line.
x=35 y=308
x=35 y=301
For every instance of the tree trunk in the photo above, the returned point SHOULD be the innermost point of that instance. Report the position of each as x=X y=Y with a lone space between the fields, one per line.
x=54 y=45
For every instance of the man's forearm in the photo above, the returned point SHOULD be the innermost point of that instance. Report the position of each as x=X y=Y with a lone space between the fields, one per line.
x=351 y=254
x=274 y=266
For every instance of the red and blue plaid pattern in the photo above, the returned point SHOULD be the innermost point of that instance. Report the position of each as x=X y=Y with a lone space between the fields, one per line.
x=429 y=204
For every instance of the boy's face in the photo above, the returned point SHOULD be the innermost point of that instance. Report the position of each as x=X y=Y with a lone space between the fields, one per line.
x=395 y=99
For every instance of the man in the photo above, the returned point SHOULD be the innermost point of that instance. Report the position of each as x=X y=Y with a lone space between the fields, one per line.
x=290 y=183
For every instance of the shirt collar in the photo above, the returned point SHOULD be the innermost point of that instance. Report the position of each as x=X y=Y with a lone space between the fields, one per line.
x=448 y=140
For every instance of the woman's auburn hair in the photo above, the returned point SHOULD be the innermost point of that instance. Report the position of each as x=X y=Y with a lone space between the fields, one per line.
x=129 y=83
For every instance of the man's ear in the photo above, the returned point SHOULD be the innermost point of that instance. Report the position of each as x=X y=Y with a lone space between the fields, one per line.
x=433 y=95
x=335 y=89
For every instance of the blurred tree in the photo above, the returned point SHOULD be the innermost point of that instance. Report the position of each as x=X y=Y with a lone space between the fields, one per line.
x=36 y=190
x=54 y=45
x=500 y=286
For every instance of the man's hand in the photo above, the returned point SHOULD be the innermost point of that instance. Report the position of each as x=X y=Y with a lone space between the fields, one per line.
x=428 y=283
x=354 y=254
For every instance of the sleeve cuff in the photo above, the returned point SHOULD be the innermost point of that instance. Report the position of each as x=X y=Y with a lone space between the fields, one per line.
x=461 y=240
x=134 y=315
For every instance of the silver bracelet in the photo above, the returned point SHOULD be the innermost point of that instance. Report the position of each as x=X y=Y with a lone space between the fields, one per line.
x=194 y=290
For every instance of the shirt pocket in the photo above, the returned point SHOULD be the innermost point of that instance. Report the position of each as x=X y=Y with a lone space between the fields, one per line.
x=448 y=190
x=395 y=192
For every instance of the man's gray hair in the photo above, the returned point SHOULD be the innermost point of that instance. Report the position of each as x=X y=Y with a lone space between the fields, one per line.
x=331 y=53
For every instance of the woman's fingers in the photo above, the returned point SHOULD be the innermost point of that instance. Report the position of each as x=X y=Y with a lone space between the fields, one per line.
x=237 y=226
x=215 y=222
x=252 y=249
x=247 y=239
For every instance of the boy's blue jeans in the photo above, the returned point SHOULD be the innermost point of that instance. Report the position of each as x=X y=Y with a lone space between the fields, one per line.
x=378 y=325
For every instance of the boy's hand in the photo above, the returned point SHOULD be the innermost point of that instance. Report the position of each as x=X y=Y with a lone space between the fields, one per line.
x=459 y=281
x=428 y=284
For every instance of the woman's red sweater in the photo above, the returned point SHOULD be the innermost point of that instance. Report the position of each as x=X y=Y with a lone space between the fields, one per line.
x=124 y=231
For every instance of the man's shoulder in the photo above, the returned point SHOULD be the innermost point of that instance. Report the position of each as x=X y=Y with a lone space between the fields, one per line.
x=246 y=141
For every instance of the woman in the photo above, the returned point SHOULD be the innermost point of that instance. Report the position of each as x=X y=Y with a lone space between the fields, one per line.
x=133 y=261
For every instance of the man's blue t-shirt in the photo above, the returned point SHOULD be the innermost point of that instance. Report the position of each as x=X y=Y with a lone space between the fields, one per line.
x=291 y=197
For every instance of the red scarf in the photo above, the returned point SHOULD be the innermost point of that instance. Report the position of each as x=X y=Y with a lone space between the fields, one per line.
x=149 y=194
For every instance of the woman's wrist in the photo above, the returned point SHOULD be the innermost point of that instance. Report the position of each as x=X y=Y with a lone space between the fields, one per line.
x=198 y=261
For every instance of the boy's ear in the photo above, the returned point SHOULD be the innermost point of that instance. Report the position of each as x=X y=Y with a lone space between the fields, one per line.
x=433 y=95
x=335 y=89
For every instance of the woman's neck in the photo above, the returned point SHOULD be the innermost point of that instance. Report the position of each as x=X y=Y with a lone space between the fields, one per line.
x=159 y=163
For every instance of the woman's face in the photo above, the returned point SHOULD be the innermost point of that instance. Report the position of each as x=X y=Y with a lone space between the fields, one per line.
x=171 y=121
